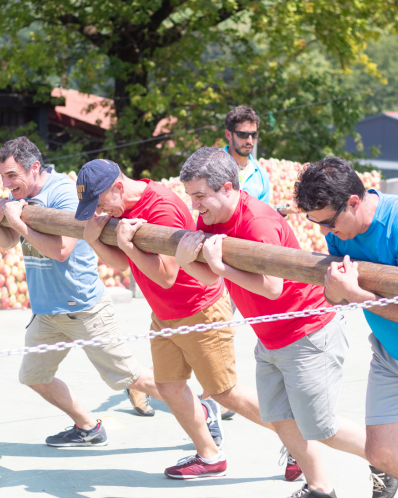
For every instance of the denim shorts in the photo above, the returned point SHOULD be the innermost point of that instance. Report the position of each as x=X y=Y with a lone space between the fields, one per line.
x=302 y=381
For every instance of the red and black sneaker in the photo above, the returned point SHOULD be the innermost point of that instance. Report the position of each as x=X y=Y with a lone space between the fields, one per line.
x=293 y=471
x=193 y=467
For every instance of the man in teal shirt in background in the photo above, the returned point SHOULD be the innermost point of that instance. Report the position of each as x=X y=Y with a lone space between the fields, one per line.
x=241 y=131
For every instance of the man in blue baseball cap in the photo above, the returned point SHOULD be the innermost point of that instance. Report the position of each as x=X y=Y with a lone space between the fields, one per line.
x=176 y=299
x=68 y=299
x=95 y=177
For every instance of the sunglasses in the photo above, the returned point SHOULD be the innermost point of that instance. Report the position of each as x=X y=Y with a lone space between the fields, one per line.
x=330 y=224
x=246 y=134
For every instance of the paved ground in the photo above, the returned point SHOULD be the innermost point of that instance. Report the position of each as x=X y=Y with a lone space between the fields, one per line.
x=139 y=449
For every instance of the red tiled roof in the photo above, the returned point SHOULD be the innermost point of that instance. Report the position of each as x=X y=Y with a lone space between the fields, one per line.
x=77 y=106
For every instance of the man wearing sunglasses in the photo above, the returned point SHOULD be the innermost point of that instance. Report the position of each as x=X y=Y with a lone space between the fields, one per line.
x=363 y=225
x=241 y=131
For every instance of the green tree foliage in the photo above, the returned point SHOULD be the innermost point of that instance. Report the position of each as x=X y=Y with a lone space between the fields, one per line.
x=195 y=60
x=384 y=99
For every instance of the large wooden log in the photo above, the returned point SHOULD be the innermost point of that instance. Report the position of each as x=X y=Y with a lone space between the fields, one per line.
x=292 y=264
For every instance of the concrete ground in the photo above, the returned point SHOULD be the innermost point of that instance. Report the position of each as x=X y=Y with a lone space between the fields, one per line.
x=139 y=448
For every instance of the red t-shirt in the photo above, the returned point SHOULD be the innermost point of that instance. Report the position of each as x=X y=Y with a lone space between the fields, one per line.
x=160 y=206
x=255 y=220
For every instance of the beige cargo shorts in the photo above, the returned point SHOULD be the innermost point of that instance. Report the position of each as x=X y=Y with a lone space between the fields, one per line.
x=115 y=363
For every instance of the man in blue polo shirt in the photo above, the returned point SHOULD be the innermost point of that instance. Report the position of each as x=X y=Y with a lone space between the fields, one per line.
x=241 y=131
x=362 y=225
x=68 y=299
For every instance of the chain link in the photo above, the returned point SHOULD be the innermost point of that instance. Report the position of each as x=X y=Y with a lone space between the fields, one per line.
x=200 y=327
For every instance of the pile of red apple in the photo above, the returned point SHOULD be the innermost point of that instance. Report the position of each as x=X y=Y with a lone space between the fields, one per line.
x=112 y=277
x=283 y=175
x=13 y=287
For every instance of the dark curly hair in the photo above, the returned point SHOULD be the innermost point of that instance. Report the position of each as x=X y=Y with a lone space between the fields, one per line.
x=239 y=115
x=327 y=183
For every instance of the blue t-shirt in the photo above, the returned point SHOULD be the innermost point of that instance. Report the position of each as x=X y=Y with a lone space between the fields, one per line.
x=54 y=287
x=256 y=181
x=379 y=244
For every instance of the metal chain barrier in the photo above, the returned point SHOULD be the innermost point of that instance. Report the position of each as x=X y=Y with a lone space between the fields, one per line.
x=200 y=327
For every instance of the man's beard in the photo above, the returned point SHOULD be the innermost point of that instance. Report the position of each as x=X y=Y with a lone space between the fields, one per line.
x=242 y=153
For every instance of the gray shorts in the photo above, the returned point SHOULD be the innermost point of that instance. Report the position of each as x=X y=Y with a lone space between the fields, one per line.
x=302 y=381
x=382 y=392
x=114 y=362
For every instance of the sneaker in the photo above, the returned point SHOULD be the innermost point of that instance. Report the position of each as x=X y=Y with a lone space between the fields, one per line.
x=293 y=471
x=306 y=492
x=74 y=436
x=225 y=413
x=384 y=485
x=214 y=422
x=193 y=467
x=140 y=402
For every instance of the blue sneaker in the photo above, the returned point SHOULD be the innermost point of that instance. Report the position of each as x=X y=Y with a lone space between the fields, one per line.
x=214 y=422
x=74 y=436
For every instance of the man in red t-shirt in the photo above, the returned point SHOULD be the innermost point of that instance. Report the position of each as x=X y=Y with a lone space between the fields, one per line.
x=299 y=361
x=177 y=299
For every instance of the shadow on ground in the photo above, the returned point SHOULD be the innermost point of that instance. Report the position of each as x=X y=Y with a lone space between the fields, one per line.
x=63 y=483
x=116 y=399
x=44 y=451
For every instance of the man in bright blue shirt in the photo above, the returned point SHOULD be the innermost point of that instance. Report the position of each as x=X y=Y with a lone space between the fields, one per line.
x=241 y=131
x=362 y=225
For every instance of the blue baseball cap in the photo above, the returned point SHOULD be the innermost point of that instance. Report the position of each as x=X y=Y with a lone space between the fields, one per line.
x=94 y=178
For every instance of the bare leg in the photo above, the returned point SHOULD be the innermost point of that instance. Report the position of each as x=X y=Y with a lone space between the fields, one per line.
x=58 y=394
x=187 y=409
x=381 y=447
x=350 y=438
x=146 y=384
x=242 y=400
x=306 y=453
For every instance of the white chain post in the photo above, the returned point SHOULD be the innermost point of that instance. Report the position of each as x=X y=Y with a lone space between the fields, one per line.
x=200 y=327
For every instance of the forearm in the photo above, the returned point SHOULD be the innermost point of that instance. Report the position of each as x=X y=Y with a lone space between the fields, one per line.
x=52 y=246
x=9 y=238
x=334 y=301
x=269 y=287
x=201 y=271
x=390 y=312
x=111 y=255
x=151 y=265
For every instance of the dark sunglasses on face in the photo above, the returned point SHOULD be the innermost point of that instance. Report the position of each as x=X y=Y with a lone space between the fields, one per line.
x=330 y=224
x=247 y=134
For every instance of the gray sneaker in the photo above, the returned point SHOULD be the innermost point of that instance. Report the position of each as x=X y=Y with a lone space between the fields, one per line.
x=74 y=436
x=214 y=422
x=306 y=492
x=384 y=485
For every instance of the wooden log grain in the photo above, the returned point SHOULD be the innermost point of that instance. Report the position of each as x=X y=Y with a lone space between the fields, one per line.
x=255 y=257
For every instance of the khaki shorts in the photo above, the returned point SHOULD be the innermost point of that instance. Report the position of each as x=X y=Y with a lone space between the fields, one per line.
x=211 y=354
x=114 y=362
